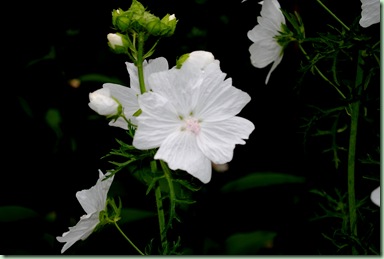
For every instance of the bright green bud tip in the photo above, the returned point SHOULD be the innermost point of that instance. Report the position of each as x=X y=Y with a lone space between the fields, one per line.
x=181 y=60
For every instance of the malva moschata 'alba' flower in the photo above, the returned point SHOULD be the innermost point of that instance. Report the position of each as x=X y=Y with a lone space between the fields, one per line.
x=375 y=196
x=114 y=40
x=93 y=202
x=190 y=115
x=127 y=96
x=370 y=12
x=265 y=48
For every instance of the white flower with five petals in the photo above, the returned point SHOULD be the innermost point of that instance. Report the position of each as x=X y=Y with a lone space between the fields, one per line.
x=191 y=117
x=370 y=12
x=127 y=96
x=93 y=202
x=265 y=48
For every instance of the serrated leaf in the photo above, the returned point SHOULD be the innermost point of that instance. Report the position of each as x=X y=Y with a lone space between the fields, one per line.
x=262 y=179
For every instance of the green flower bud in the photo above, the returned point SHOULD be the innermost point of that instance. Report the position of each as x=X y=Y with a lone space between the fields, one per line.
x=136 y=18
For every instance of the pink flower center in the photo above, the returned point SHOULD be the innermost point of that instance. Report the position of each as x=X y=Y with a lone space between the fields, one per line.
x=193 y=125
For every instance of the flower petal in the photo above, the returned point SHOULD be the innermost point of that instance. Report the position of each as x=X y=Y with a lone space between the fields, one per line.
x=217 y=140
x=81 y=230
x=157 y=120
x=94 y=199
x=375 y=196
x=180 y=151
x=370 y=13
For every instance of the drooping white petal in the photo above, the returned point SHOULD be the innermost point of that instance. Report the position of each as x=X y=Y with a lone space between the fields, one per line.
x=180 y=151
x=370 y=13
x=158 y=119
x=217 y=140
x=93 y=202
x=94 y=199
x=265 y=48
x=82 y=230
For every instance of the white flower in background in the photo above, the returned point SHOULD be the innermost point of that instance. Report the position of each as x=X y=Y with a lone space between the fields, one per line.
x=370 y=12
x=101 y=102
x=375 y=196
x=127 y=96
x=191 y=117
x=93 y=202
x=265 y=48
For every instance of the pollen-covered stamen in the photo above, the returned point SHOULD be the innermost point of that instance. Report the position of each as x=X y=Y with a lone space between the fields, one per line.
x=192 y=124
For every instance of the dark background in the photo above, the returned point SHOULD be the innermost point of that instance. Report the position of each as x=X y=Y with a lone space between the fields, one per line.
x=44 y=168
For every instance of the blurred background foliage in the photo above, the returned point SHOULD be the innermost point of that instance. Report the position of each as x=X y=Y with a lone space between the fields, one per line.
x=282 y=195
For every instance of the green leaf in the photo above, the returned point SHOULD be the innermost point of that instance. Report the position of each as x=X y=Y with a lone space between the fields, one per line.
x=262 y=179
x=129 y=215
x=15 y=213
x=249 y=243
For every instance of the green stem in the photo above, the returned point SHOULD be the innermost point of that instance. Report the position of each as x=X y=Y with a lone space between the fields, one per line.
x=132 y=244
x=139 y=62
x=355 y=107
x=172 y=195
x=160 y=210
x=334 y=16
x=321 y=74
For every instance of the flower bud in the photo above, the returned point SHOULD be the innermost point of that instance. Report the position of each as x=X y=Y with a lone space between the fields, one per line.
x=139 y=20
x=198 y=58
x=118 y=42
x=102 y=102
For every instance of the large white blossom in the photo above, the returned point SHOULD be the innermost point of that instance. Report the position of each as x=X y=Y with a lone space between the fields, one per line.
x=265 y=48
x=191 y=117
x=370 y=12
x=127 y=96
x=93 y=202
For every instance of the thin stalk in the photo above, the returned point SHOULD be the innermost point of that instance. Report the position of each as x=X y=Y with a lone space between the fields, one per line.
x=139 y=61
x=333 y=15
x=321 y=74
x=125 y=236
x=160 y=211
x=355 y=108
x=172 y=195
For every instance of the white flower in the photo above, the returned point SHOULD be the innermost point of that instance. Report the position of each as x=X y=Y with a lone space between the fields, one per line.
x=127 y=96
x=102 y=102
x=93 y=202
x=375 y=196
x=370 y=12
x=114 y=40
x=191 y=117
x=200 y=58
x=265 y=48
x=171 y=17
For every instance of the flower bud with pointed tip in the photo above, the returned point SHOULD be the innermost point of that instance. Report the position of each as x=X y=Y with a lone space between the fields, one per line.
x=118 y=42
x=102 y=102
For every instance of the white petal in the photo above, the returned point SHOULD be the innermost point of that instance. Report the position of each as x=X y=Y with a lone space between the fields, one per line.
x=217 y=99
x=94 y=199
x=262 y=56
x=180 y=151
x=157 y=120
x=375 y=196
x=126 y=96
x=81 y=230
x=150 y=67
x=271 y=10
x=370 y=13
x=217 y=140
x=274 y=65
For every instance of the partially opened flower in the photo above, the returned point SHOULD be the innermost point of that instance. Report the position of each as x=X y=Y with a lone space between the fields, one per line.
x=370 y=12
x=93 y=202
x=375 y=196
x=101 y=102
x=127 y=96
x=265 y=48
x=191 y=117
